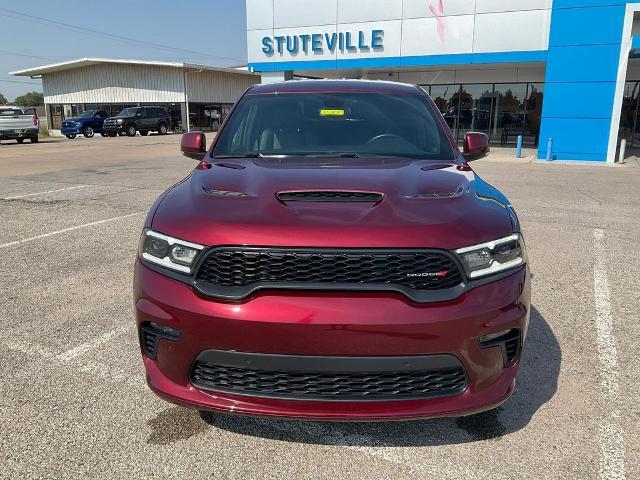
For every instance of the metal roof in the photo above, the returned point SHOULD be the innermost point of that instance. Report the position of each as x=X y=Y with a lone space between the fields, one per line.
x=87 y=62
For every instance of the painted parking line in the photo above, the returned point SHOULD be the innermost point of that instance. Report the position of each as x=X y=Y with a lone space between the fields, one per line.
x=15 y=197
x=70 y=229
x=99 y=370
x=92 y=345
x=611 y=433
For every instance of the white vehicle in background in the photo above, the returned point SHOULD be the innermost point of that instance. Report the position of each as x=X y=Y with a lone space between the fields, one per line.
x=18 y=124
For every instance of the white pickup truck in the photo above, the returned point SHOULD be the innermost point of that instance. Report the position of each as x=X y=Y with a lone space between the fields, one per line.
x=18 y=124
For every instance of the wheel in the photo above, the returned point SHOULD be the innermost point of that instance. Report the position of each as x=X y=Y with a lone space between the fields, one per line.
x=87 y=132
x=71 y=136
x=144 y=133
x=34 y=139
x=19 y=140
x=162 y=129
x=104 y=134
x=122 y=134
x=131 y=131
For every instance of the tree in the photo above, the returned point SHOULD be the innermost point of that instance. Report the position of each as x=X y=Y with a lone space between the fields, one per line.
x=31 y=99
x=3 y=100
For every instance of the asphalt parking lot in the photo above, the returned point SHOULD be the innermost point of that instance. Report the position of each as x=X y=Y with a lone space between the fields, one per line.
x=74 y=403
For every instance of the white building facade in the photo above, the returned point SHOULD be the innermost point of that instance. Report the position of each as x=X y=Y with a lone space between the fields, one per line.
x=557 y=72
x=201 y=93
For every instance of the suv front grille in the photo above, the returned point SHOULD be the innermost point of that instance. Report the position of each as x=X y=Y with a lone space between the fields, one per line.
x=329 y=378
x=341 y=269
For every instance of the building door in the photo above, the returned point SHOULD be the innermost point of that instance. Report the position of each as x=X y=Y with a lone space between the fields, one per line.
x=629 y=115
x=476 y=105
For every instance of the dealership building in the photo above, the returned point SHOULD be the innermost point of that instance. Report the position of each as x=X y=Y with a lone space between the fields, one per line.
x=560 y=73
x=201 y=93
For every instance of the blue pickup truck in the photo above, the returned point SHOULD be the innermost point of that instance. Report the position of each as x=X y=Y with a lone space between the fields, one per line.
x=87 y=124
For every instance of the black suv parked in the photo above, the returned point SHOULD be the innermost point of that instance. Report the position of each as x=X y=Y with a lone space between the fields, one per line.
x=141 y=119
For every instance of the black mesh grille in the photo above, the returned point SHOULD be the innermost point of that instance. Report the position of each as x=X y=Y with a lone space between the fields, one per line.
x=419 y=270
x=151 y=334
x=509 y=342
x=511 y=348
x=329 y=196
x=149 y=342
x=329 y=385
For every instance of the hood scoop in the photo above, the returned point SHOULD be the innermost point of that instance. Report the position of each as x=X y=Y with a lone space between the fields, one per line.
x=329 y=196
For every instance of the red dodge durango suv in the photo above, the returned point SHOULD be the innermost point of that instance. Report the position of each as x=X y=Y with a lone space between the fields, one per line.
x=333 y=256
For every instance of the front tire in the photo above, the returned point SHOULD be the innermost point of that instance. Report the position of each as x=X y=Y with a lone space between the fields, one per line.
x=122 y=134
x=131 y=131
x=88 y=132
x=19 y=140
x=162 y=129
x=70 y=137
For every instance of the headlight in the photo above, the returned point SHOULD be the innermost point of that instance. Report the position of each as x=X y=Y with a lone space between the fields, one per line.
x=168 y=251
x=493 y=257
x=119 y=121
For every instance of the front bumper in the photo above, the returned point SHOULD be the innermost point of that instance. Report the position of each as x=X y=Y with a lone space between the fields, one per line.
x=71 y=130
x=336 y=324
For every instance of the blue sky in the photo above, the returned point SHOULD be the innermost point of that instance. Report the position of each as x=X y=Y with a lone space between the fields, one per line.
x=214 y=32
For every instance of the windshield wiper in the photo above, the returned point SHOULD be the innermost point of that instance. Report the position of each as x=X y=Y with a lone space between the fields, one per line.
x=332 y=155
x=240 y=155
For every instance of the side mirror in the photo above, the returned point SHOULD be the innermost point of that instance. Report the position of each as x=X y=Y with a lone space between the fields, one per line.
x=194 y=145
x=476 y=145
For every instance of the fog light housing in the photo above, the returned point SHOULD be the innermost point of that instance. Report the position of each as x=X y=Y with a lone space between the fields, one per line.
x=151 y=333
x=509 y=341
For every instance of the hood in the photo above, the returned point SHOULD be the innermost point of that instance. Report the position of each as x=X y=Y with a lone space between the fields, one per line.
x=355 y=203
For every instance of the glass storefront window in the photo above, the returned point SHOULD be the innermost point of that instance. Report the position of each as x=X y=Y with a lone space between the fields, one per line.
x=510 y=115
x=175 y=113
x=57 y=116
x=77 y=109
x=476 y=103
x=205 y=117
x=447 y=99
x=629 y=113
x=503 y=111
x=114 y=109
x=534 y=109
x=226 y=108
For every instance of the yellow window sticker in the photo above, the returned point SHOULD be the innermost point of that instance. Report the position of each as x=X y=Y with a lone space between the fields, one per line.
x=331 y=113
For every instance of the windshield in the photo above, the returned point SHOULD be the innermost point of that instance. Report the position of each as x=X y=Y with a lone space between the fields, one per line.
x=351 y=124
x=128 y=112
x=88 y=114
